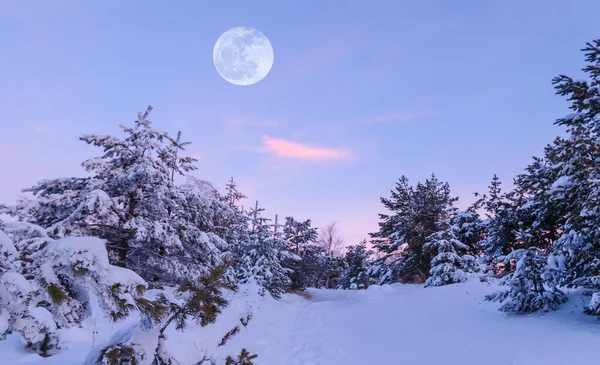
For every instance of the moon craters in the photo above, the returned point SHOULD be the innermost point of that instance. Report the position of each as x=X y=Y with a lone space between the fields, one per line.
x=243 y=56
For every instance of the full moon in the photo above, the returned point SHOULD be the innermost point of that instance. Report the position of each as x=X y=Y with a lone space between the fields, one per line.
x=243 y=56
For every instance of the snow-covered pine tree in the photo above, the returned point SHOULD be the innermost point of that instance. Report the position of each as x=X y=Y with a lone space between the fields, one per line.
x=415 y=214
x=312 y=270
x=262 y=254
x=499 y=225
x=454 y=248
x=446 y=266
x=336 y=265
x=528 y=290
x=162 y=231
x=299 y=234
x=51 y=291
x=357 y=263
x=577 y=180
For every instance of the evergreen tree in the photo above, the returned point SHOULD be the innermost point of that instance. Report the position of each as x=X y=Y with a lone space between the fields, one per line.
x=299 y=234
x=454 y=247
x=162 y=231
x=312 y=270
x=306 y=257
x=357 y=262
x=416 y=213
x=528 y=290
x=262 y=255
x=576 y=185
x=336 y=265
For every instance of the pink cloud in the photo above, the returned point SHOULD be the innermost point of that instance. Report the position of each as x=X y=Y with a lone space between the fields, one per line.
x=294 y=150
x=237 y=122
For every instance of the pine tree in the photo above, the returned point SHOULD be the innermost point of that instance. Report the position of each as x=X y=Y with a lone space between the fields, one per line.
x=262 y=255
x=161 y=230
x=416 y=213
x=311 y=270
x=299 y=234
x=454 y=248
x=528 y=290
x=574 y=190
x=495 y=200
x=357 y=262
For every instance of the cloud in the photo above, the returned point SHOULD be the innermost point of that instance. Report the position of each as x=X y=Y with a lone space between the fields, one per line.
x=294 y=150
x=239 y=122
x=395 y=117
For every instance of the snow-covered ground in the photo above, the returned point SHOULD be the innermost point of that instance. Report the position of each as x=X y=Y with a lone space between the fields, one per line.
x=390 y=324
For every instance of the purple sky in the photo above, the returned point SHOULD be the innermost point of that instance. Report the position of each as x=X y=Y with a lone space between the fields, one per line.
x=360 y=92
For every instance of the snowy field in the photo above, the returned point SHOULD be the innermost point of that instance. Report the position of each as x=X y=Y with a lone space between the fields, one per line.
x=391 y=324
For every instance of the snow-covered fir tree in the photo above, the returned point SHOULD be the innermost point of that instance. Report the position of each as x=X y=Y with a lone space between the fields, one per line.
x=577 y=181
x=336 y=265
x=454 y=248
x=162 y=231
x=50 y=291
x=298 y=233
x=261 y=256
x=528 y=291
x=415 y=214
x=312 y=270
x=357 y=263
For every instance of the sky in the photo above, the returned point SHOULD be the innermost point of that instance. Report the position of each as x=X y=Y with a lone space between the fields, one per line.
x=360 y=93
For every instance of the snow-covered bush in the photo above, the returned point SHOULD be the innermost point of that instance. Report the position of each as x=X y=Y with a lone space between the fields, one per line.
x=201 y=300
x=528 y=291
x=51 y=290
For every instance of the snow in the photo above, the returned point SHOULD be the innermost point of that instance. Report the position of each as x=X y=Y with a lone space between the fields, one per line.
x=143 y=340
x=88 y=252
x=386 y=324
x=12 y=282
x=562 y=183
x=4 y=318
x=125 y=277
x=43 y=317
x=8 y=252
